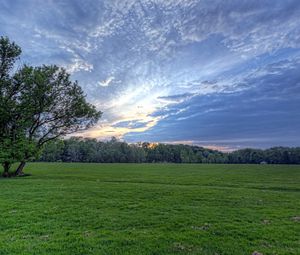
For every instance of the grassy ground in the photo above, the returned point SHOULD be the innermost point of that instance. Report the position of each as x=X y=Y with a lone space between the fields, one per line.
x=151 y=209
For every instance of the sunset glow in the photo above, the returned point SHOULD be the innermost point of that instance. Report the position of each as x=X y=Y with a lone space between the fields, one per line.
x=226 y=73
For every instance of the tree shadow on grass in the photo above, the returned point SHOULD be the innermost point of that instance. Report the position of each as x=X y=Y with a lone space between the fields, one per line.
x=12 y=173
x=12 y=176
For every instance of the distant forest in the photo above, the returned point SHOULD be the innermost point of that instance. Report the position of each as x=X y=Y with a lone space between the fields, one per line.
x=115 y=151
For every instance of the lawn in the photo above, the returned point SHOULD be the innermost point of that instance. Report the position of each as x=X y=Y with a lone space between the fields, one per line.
x=151 y=209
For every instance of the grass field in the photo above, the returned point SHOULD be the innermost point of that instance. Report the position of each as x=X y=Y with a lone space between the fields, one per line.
x=151 y=209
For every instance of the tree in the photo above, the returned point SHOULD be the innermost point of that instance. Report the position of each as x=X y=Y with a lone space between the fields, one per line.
x=11 y=134
x=53 y=151
x=40 y=104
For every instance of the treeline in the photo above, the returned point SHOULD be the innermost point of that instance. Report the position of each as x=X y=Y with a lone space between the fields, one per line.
x=114 y=151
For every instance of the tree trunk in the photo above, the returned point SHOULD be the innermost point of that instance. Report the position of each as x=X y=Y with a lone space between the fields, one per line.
x=19 y=171
x=6 y=166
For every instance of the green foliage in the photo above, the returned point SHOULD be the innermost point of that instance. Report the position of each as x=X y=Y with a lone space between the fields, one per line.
x=53 y=104
x=37 y=105
x=12 y=134
x=12 y=151
x=91 y=150
x=9 y=53
x=142 y=209
x=114 y=151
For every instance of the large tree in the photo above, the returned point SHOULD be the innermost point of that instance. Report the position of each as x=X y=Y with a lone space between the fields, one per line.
x=11 y=135
x=39 y=104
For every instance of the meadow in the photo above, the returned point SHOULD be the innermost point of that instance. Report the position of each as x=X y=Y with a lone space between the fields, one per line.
x=72 y=208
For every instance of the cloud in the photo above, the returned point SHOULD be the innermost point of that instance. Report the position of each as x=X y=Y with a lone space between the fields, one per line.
x=171 y=69
x=107 y=82
x=133 y=124
x=175 y=98
x=78 y=64
x=265 y=114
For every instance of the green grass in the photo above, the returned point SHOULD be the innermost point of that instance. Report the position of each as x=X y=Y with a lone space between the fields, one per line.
x=151 y=209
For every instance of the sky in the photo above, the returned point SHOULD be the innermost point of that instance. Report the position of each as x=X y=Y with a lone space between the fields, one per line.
x=214 y=73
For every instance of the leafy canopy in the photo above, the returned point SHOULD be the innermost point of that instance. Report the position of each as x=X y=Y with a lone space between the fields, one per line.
x=37 y=105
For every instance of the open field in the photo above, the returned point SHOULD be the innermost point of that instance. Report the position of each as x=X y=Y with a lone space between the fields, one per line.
x=151 y=209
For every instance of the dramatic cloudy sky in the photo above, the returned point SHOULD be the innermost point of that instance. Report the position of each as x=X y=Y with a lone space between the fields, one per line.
x=207 y=72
